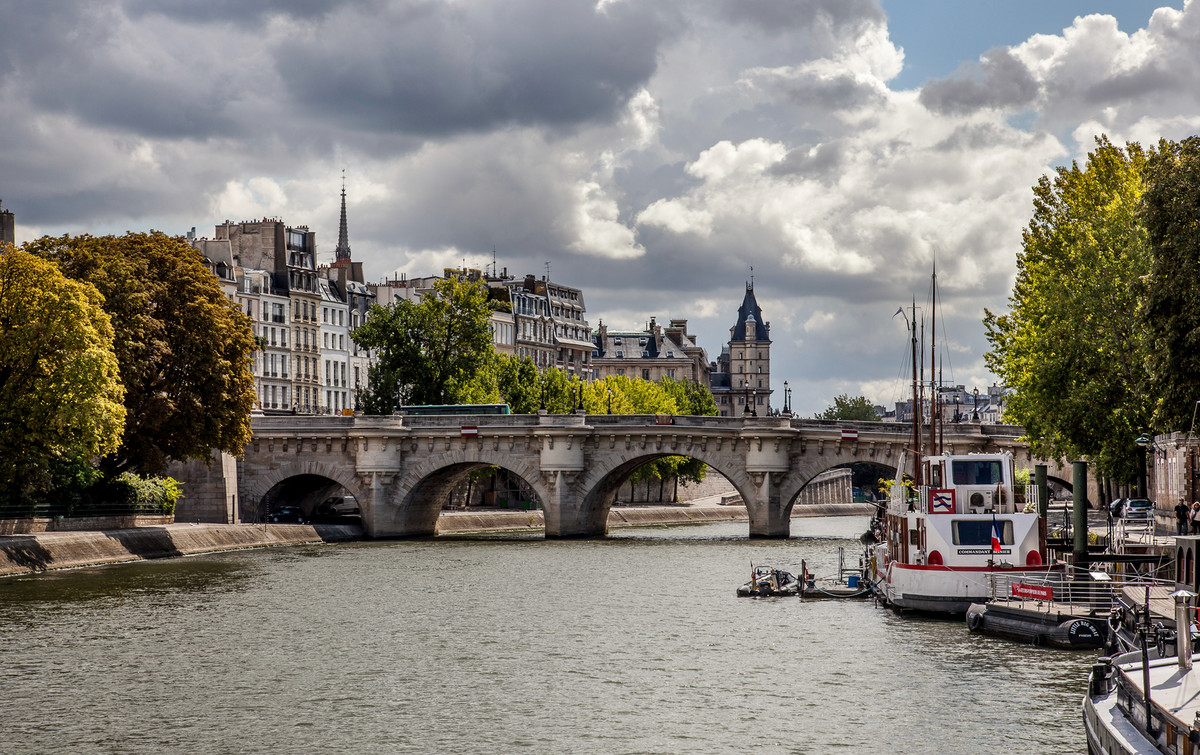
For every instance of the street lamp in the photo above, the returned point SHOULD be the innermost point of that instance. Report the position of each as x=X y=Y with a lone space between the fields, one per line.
x=787 y=399
x=1143 y=441
x=957 y=416
x=975 y=414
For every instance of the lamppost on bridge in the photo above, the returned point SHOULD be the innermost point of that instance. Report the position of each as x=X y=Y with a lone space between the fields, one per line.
x=957 y=416
x=787 y=399
x=975 y=414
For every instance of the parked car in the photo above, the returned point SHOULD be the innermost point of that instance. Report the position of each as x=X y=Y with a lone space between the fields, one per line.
x=1117 y=507
x=286 y=515
x=1139 y=508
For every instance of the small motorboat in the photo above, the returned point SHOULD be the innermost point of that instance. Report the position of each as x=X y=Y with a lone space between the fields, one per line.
x=767 y=582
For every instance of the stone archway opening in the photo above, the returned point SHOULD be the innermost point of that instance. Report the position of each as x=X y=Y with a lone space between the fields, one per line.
x=309 y=498
x=851 y=482
x=456 y=489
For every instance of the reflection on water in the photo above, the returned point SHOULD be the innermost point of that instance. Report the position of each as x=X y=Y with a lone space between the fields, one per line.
x=500 y=644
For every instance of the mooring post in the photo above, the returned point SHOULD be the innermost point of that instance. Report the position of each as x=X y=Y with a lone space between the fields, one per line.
x=1079 y=518
x=1043 y=489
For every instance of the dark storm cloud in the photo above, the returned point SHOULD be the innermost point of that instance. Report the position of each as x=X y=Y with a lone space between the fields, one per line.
x=842 y=91
x=238 y=11
x=440 y=69
x=999 y=81
x=783 y=16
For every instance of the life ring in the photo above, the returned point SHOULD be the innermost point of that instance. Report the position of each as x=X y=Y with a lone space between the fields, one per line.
x=974 y=621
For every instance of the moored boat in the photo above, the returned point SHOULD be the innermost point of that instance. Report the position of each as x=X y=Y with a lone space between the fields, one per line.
x=766 y=582
x=939 y=546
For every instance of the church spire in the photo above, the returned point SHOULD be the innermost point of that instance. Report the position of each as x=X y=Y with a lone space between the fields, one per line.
x=343 y=246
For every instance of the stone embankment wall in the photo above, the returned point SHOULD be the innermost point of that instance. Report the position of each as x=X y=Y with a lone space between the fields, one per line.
x=42 y=551
x=80 y=523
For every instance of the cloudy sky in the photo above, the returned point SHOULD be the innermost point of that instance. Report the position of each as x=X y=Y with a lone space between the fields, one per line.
x=651 y=151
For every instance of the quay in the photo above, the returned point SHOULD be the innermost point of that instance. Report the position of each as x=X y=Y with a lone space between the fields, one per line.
x=46 y=551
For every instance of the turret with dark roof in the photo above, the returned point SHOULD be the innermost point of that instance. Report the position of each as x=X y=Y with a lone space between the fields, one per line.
x=750 y=319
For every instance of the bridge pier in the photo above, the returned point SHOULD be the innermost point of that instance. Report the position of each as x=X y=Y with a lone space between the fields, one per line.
x=768 y=515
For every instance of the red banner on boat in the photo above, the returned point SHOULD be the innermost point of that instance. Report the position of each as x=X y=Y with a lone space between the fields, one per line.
x=941 y=501
x=470 y=430
x=849 y=434
x=1037 y=592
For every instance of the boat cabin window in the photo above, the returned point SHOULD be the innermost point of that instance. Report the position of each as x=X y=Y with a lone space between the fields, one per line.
x=980 y=532
x=977 y=472
x=935 y=475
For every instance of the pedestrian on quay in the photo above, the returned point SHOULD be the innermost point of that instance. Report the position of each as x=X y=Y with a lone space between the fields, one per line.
x=1195 y=517
x=1181 y=517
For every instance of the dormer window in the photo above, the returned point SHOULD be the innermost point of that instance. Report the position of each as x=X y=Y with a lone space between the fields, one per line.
x=617 y=341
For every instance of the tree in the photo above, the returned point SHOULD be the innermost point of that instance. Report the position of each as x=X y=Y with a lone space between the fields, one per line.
x=183 y=348
x=1071 y=344
x=1171 y=312
x=433 y=350
x=857 y=408
x=60 y=389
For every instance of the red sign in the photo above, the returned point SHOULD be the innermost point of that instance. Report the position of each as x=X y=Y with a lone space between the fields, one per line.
x=849 y=434
x=1037 y=592
x=471 y=430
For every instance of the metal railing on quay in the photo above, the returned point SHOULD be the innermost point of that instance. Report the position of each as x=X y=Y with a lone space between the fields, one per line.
x=76 y=510
x=1058 y=589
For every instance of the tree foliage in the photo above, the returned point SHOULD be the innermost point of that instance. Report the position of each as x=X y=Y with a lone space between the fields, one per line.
x=60 y=390
x=1071 y=344
x=433 y=350
x=1171 y=311
x=183 y=348
x=847 y=408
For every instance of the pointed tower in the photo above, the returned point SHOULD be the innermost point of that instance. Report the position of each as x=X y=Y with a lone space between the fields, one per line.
x=750 y=354
x=343 y=246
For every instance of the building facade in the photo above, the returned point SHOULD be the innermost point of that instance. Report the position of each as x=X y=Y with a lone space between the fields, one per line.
x=650 y=354
x=741 y=376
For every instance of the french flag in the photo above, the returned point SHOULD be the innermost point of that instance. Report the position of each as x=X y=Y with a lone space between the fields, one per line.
x=997 y=535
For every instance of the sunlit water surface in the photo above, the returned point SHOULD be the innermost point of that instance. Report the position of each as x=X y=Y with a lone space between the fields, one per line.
x=633 y=644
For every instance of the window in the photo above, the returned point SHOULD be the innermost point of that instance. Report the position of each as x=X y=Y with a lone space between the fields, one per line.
x=724 y=399
x=741 y=399
x=620 y=354
x=980 y=532
x=981 y=472
x=670 y=373
x=645 y=374
x=760 y=399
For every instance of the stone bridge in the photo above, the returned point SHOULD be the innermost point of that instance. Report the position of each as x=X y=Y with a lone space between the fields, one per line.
x=401 y=469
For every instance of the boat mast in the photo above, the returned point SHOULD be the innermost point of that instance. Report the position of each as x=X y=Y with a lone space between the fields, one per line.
x=916 y=403
x=933 y=404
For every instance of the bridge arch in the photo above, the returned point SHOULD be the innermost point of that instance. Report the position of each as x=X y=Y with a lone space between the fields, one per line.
x=600 y=484
x=256 y=494
x=423 y=487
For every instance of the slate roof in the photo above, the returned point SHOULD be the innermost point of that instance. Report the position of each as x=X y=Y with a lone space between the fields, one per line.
x=750 y=310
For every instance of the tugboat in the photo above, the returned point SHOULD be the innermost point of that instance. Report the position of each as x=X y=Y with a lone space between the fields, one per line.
x=766 y=582
x=952 y=521
x=939 y=546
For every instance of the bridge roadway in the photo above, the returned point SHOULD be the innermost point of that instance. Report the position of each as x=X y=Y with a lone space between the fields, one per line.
x=401 y=469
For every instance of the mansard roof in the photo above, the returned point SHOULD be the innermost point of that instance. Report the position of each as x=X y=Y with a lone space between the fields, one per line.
x=750 y=311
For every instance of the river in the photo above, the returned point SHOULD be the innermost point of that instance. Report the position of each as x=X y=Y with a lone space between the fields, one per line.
x=506 y=644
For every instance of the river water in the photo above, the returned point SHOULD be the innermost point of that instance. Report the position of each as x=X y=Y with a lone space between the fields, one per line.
x=633 y=644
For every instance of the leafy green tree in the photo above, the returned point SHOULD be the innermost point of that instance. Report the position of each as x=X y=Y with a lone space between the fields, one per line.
x=1071 y=343
x=183 y=348
x=691 y=398
x=1171 y=313
x=433 y=350
x=856 y=408
x=60 y=389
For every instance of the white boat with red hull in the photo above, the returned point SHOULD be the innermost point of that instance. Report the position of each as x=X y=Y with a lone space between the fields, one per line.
x=940 y=545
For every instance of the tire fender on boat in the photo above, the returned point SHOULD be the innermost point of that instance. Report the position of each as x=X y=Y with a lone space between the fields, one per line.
x=974 y=621
x=1039 y=639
